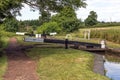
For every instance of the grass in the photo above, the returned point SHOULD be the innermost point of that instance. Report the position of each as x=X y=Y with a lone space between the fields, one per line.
x=3 y=58
x=112 y=35
x=64 y=64
x=80 y=32
x=5 y=41
x=3 y=66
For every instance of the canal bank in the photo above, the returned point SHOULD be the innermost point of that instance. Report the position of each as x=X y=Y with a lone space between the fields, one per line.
x=108 y=64
x=98 y=64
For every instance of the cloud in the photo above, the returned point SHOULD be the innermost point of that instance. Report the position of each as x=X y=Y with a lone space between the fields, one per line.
x=28 y=14
x=106 y=9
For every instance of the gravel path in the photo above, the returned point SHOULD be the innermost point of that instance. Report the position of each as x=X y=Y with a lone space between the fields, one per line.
x=20 y=67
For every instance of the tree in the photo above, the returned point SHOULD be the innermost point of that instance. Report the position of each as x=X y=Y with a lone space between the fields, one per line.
x=12 y=7
x=67 y=19
x=91 y=19
x=70 y=25
x=11 y=25
x=45 y=17
x=9 y=8
x=49 y=27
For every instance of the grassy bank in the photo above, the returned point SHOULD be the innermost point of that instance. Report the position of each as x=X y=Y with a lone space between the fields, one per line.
x=3 y=58
x=4 y=38
x=3 y=66
x=110 y=35
x=62 y=64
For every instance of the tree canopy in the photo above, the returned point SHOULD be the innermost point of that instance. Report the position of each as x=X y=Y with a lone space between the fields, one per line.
x=11 y=7
x=91 y=19
x=66 y=21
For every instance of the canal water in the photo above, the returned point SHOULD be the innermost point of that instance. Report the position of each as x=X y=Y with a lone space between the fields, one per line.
x=112 y=70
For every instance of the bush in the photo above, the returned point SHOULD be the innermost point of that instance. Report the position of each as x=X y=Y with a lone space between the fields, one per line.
x=70 y=25
x=3 y=35
x=11 y=25
x=49 y=27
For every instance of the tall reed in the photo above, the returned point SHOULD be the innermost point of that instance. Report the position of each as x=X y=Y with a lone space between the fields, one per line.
x=108 y=34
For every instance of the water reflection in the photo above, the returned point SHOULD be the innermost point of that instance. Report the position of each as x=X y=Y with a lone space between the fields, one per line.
x=112 y=70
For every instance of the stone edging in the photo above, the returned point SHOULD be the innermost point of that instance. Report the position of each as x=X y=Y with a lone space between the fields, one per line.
x=99 y=64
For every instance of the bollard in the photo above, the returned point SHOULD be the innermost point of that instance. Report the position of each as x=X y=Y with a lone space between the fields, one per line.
x=66 y=43
x=103 y=45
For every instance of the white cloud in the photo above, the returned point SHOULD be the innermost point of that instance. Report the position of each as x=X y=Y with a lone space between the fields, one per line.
x=106 y=9
x=27 y=14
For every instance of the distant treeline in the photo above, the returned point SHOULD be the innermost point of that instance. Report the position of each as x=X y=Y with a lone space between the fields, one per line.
x=107 y=24
x=68 y=25
x=13 y=25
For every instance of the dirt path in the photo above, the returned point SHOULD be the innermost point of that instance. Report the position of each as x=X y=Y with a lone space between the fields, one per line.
x=20 y=67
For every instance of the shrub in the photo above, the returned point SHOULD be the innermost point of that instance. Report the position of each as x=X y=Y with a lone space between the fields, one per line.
x=49 y=27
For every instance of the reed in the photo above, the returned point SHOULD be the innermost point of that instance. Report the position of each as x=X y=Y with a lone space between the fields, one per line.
x=112 y=35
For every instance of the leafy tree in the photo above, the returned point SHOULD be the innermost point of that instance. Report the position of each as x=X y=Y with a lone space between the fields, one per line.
x=45 y=17
x=70 y=25
x=91 y=19
x=49 y=27
x=9 y=8
x=67 y=19
x=11 y=25
x=23 y=25
x=66 y=12
x=12 y=7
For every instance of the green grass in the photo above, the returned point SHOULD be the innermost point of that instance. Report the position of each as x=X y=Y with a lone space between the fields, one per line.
x=64 y=64
x=3 y=66
x=4 y=41
x=80 y=32
x=3 y=59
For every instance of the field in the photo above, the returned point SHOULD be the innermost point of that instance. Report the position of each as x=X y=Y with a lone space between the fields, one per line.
x=80 y=32
x=64 y=64
x=110 y=34
x=57 y=63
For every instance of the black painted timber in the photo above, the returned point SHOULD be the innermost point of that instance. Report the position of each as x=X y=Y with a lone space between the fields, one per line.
x=72 y=42
x=54 y=41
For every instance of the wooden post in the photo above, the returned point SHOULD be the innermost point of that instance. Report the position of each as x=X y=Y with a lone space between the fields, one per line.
x=88 y=34
x=85 y=35
x=66 y=43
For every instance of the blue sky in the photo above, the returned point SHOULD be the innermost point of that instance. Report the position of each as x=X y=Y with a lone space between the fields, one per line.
x=107 y=10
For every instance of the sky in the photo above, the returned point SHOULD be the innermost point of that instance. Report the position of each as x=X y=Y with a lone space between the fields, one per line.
x=107 y=10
